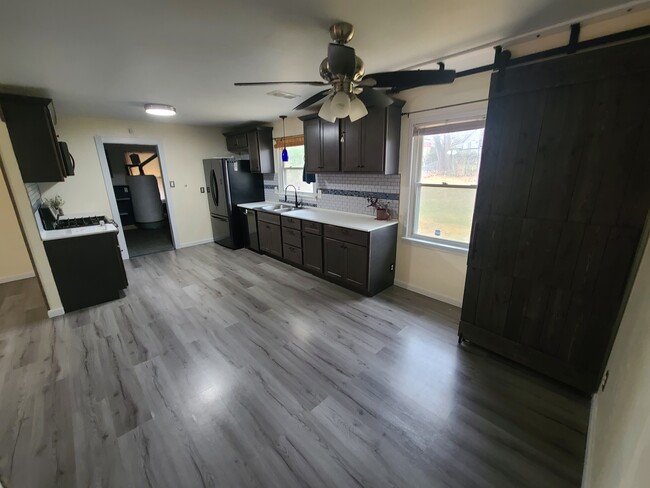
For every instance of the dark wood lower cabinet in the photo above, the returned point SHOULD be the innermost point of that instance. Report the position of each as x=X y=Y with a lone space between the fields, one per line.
x=270 y=238
x=362 y=261
x=346 y=262
x=312 y=252
x=87 y=270
x=563 y=196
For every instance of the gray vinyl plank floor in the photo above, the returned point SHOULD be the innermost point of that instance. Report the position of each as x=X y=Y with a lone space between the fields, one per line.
x=230 y=369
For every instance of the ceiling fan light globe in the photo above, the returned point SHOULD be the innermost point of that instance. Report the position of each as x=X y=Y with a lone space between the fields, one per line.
x=357 y=109
x=340 y=105
x=325 y=111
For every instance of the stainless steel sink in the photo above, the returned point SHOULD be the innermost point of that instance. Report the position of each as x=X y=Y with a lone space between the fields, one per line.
x=280 y=208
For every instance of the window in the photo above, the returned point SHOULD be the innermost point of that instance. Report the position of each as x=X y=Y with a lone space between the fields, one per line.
x=446 y=160
x=291 y=171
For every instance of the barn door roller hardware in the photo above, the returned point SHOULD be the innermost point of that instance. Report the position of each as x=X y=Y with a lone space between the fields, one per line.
x=503 y=58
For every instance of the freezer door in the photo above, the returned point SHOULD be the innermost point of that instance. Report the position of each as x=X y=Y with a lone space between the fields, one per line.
x=221 y=230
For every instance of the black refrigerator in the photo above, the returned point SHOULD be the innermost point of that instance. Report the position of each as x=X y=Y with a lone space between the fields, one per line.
x=229 y=182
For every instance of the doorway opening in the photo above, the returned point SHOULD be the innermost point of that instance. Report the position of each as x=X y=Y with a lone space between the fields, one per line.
x=138 y=185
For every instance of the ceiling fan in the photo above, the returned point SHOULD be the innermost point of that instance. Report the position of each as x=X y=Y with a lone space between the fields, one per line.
x=350 y=90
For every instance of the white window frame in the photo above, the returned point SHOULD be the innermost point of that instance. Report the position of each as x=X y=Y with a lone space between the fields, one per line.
x=442 y=118
x=281 y=178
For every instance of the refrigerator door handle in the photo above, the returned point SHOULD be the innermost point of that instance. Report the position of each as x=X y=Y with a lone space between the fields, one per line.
x=215 y=189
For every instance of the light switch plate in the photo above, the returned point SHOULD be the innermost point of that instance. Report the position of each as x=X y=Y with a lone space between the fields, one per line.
x=202 y=189
x=172 y=184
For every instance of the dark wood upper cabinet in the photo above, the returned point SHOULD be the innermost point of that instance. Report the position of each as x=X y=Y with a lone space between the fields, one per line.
x=33 y=138
x=369 y=145
x=563 y=197
x=313 y=153
x=322 y=153
x=257 y=144
x=331 y=158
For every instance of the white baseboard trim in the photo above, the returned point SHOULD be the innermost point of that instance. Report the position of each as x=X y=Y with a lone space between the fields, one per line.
x=55 y=312
x=24 y=276
x=195 y=243
x=589 y=449
x=428 y=293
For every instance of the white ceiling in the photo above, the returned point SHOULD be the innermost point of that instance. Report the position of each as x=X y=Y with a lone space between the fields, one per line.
x=109 y=58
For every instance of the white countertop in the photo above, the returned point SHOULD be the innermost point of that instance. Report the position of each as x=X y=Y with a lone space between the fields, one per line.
x=365 y=223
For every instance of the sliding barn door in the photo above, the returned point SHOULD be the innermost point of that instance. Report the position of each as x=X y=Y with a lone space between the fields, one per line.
x=563 y=195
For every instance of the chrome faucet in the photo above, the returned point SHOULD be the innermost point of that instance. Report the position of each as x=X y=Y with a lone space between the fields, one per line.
x=295 y=192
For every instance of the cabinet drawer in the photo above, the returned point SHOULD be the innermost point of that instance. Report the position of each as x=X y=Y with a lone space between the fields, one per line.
x=267 y=217
x=347 y=235
x=293 y=254
x=290 y=222
x=312 y=227
x=291 y=237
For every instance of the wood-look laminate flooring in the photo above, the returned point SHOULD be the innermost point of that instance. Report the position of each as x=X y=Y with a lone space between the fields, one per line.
x=230 y=369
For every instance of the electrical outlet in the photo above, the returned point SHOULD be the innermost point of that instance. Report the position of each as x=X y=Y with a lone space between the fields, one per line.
x=392 y=267
x=202 y=189
x=605 y=378
x=276 y=190
x=319 y=194
x=172 y=184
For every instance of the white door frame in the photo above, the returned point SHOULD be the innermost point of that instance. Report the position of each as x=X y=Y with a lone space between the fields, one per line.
x=108 y=182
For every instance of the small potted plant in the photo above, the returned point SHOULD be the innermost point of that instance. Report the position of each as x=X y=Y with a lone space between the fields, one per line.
x=56 y=204
x=380 y=207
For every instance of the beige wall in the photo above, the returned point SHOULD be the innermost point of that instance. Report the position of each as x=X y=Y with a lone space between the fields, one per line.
x=618 y=451
x=26 y=217
x=14 y=259
x=431 y=271
x=184 y=147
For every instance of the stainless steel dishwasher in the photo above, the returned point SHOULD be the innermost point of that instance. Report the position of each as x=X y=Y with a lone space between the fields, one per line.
x=251 y=222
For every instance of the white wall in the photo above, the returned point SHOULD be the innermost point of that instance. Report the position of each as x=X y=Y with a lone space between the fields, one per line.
x=618 y=452
x=14 y=259
x=185 y=147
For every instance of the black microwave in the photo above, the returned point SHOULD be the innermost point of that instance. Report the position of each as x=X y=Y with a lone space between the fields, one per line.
x=68 y=160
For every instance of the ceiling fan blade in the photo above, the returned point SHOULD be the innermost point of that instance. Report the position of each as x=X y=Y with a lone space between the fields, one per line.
x=312 y=100
x=403 y=80
x=261 y=83
x=341 y=60
x=375 y=98
x=367 y=82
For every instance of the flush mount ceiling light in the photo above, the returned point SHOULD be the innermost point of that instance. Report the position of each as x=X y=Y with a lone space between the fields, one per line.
x=159 y=109
x=282 y=94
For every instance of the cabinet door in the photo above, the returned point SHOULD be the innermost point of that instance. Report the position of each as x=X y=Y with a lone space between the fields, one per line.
x=351 y=145
x=356 y=265
x=373 y=135
x=265 y=151
x=330 y=143
x=254 y=151
x=335 y=265
x=33 y=138
x=311 y=129
x=270 y=238
x=312 y=252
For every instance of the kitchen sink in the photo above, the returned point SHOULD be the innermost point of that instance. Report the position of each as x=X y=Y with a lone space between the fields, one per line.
x=278 y=208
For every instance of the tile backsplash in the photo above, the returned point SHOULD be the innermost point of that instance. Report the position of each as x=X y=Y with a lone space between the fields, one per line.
x=346 y=192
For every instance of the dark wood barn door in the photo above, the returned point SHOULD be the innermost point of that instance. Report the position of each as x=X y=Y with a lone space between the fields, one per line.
x=562 y=199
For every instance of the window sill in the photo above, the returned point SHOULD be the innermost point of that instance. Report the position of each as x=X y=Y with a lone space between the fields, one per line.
x=438 y=246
